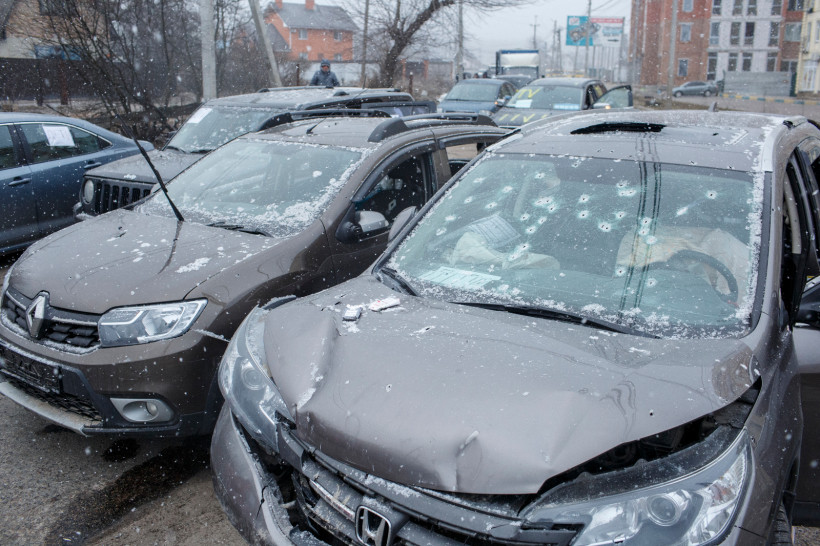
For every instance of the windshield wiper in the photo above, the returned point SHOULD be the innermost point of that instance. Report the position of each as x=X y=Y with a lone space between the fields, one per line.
x=565 y=316
x=397 y=279
x=238 y=227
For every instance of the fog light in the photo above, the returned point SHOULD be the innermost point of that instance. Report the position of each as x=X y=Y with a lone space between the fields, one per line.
x=143 y=410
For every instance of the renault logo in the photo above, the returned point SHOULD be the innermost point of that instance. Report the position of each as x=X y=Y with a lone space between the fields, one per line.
x=36 y=314
x=372 y=528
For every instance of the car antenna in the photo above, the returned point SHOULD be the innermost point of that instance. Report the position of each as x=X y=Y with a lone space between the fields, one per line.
x=128 y=130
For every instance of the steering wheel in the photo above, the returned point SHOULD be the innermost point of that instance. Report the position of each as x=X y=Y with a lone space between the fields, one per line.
x=712 y=262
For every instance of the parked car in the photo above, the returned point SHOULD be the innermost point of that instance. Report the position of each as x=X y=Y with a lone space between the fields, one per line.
x=42 y=162
x=546 y=97
x=477 y=95
x=215 y=123
x=707 y=89
x=592 y=335
x=116 y=325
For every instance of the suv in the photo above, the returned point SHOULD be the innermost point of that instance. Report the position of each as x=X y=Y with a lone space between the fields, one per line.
x=594 y=334
x=547 y=97
x=117 y=324
x=216 y=122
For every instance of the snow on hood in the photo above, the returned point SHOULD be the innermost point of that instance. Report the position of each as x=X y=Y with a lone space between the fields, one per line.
x=169 y=163
x=127 y=258
x=466 y=400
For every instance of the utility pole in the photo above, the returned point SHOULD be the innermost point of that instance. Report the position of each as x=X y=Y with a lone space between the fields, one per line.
x=364 y=44
x=264 y=41
x=460 y=52
x=206 y=21
x=534 y=28
x=587 y=33
x=673 y=38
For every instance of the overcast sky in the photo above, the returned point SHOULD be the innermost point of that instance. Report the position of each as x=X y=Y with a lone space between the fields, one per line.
x=512 y=28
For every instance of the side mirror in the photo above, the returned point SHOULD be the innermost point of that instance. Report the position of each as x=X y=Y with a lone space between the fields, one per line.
x=371 y=221
x=809 y=310
x=402 y=219
x=363 y=224
x=502 y=102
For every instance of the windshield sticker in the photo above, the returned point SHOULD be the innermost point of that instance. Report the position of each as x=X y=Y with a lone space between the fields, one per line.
x=58 y=135
x=565 y=106
x=199 y=115
x=523 y=103
x=458 y=278
x=495 y=230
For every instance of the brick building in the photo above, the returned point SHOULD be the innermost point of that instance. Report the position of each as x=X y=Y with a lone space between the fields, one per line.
x=713 y=37
x=311 y=32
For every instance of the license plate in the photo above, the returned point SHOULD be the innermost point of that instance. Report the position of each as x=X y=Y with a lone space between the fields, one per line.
x=37 y=374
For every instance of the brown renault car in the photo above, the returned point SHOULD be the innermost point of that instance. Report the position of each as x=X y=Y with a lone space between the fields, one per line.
x=117 y=324
x=598 y=333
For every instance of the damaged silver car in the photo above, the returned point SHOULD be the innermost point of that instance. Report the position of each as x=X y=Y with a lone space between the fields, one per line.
x=594 y=335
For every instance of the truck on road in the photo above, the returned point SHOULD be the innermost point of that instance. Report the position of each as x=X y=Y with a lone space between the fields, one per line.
x=518 y=61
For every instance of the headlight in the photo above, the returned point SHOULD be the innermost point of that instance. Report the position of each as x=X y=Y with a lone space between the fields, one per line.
x=695 y=508
x=144 y=324
x=246 y=384
x=88 y=191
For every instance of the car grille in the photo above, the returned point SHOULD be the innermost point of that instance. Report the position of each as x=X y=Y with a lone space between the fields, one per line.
x=113 y=194
x=61 y=327
x=329 y=501
x=65 y=401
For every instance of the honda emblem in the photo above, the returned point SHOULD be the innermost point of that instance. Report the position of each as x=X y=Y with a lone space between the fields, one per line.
x=372 y=528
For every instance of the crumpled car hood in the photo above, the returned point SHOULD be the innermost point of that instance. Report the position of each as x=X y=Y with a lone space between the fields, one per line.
x=513 y=117
x=128 y=258
x=461 y=399
x=169 y=163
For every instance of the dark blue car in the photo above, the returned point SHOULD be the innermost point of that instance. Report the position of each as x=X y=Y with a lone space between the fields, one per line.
x=42 y=163
x=479 y=96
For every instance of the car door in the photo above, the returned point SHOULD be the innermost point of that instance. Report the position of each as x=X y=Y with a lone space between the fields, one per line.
x=405 y=178
x=18 y=213
x=807 y=348
x=59 y=154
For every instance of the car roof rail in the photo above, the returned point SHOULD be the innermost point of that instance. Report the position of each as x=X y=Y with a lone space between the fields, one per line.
x=405 y=107
x=269 y=89
x=290 y=117
x=396 y=126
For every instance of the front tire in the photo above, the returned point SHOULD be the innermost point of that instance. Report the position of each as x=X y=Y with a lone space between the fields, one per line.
x=678 y=93
x=707 y=93
x=781 y=533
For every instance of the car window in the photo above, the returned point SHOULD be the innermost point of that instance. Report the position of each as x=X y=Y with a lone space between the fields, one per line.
x=212 y=126
x=462 y=150
x=50 y=141
x=472 y=92
x=7 y=157
x=796 y=228
x=404 y=185
x=275 y=187
x=547 y=97
x=601 y=237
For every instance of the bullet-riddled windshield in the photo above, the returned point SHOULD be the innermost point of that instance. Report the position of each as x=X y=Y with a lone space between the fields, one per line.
x=277 y=188
x=667 y=250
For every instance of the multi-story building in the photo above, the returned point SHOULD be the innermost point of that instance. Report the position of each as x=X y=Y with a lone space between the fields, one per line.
x=312 y=32
x=713 y=37
x=808 y=76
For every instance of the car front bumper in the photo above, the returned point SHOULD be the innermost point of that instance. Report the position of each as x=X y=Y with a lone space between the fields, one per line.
x=93 y=393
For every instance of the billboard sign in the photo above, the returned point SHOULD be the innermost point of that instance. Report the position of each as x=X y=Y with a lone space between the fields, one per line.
x=600 y=31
